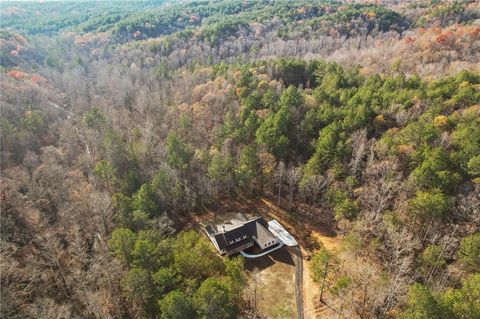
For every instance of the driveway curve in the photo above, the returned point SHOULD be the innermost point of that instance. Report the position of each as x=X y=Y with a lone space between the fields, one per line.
x=246 y=255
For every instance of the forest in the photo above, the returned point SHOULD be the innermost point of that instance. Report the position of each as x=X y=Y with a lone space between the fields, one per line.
x=123 y=124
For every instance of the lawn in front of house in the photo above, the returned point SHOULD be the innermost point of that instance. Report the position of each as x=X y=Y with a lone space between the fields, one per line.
x=273 y=276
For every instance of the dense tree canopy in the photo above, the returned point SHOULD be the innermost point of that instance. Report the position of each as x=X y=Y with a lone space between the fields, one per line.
x=125 y=126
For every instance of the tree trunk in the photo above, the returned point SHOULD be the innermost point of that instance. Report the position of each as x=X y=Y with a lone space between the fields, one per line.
x=323 y=282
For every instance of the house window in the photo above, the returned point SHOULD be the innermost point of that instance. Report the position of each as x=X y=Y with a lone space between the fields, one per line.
x=233 y=241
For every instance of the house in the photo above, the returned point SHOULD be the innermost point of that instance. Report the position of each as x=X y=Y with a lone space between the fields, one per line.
x=238 y=235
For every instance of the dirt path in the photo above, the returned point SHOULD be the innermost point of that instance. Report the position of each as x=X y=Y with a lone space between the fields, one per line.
x=311 y=289
x=82 y=137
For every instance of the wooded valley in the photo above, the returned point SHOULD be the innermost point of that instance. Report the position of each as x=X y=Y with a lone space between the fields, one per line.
x=123 y=123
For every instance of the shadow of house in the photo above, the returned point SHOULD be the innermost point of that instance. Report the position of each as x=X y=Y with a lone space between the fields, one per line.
x=281 y=255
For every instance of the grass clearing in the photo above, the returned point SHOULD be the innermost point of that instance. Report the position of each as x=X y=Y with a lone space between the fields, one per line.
x=274 y=278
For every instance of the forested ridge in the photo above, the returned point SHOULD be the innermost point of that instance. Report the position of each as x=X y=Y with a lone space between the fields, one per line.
x=122 y=124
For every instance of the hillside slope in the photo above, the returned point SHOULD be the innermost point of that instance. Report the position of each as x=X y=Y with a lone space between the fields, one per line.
x=121 y=126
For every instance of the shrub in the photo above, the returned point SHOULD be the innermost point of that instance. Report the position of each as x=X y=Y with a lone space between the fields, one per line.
x=213 y=300
x=433 y=204
x=432 y=257
x=346 y=209
x=469 y=252
x=435 y=171
x=474 y=166
x=176 y=305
